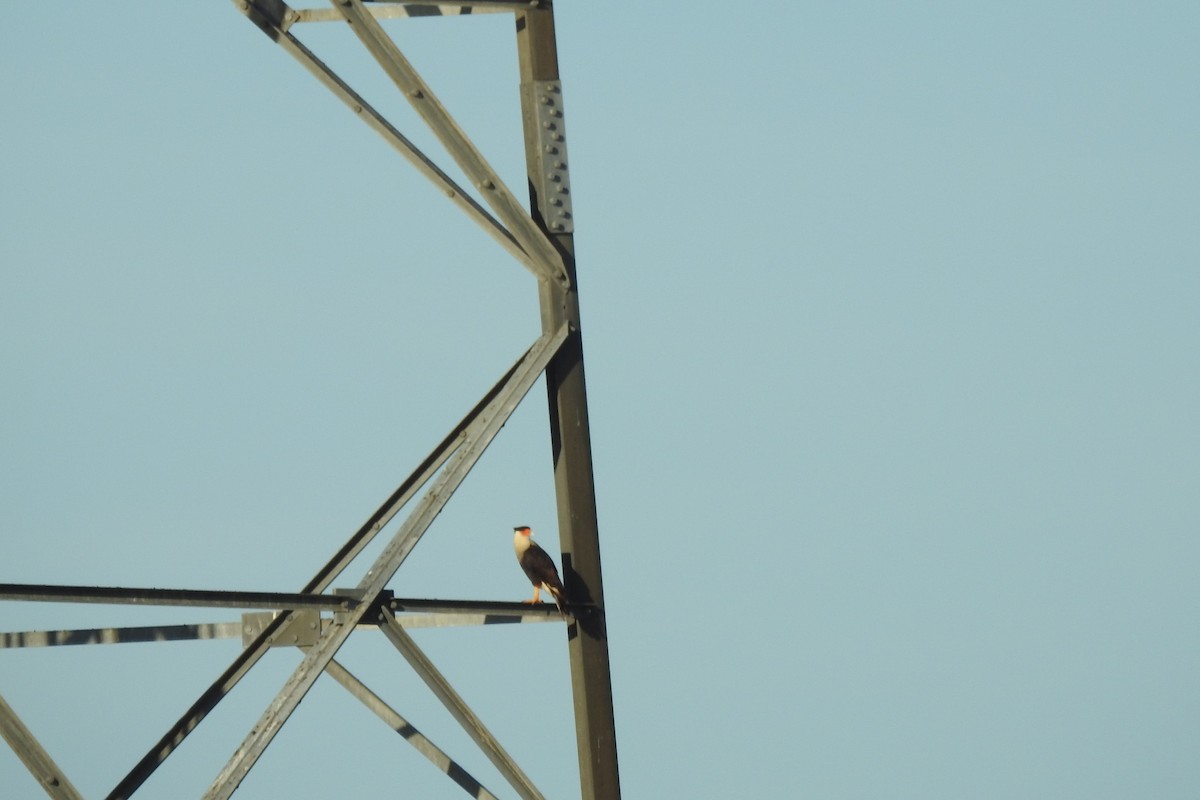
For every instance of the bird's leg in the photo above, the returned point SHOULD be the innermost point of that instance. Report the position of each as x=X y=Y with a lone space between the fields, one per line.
x=537 y=592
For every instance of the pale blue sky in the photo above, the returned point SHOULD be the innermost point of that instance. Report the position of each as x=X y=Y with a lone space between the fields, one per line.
x=890 y=323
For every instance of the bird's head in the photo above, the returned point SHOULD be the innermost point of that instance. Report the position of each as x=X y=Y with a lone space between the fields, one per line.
x=523 y=530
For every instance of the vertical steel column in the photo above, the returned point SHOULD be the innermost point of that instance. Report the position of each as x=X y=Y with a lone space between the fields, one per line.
x=570 y=437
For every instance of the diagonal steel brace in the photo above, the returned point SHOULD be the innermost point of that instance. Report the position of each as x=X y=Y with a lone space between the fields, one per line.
x=385 y=566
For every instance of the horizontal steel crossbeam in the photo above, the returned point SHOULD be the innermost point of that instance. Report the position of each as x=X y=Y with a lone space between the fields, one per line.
x=420 y=8
x=141 y=634
x=129 y=635
x=171 y=597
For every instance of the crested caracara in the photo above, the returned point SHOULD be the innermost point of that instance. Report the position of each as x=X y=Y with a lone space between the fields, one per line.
x=539 y=568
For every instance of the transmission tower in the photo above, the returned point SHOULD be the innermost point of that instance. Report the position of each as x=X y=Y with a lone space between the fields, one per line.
x=318 y=618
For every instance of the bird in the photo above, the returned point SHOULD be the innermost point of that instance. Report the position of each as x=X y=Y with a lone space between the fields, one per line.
x=539 y=568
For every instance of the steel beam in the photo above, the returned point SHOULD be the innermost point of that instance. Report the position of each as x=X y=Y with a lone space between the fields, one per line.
x=170 y=597
x=245 y=660
x=436 y=614
x=452 y=614
x=127 y=635
x=35 y=758
x=570 y=434
x=418 y=8
x=411 y=735
x=546 y=259
x=458 y=708
x=386 y=565
x=548 y=251
x=409 y=488
x=197 y=711
x=458 y=619
x=274 y=17
x=474 y=606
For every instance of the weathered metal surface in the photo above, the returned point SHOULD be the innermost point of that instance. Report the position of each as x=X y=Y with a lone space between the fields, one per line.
x=458 y=709
x=400 y=725
x=478 y=437
x=33 y=755
x=552 y=189
x=570 y=436
x=203 y=598
x=546 y=260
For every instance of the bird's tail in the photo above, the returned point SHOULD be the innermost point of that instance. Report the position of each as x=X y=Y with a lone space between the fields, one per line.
x=560 y=600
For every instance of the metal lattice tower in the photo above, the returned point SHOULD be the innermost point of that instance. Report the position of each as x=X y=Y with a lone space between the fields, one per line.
x=319 y=619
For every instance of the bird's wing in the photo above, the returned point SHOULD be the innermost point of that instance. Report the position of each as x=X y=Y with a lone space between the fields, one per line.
x=539 y=567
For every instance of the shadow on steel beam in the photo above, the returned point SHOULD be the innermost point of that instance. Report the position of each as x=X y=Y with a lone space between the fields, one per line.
x=588 y=615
